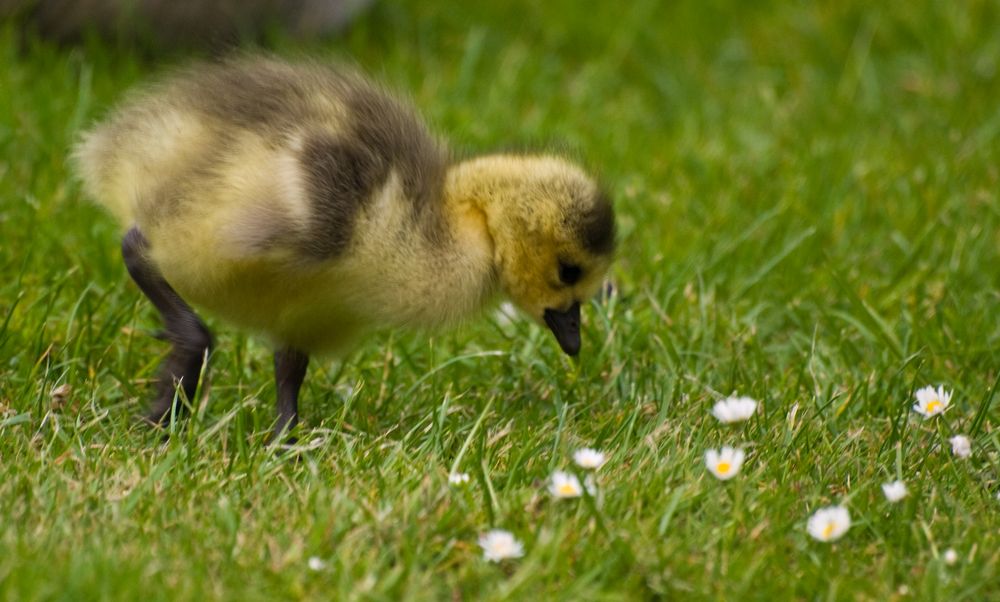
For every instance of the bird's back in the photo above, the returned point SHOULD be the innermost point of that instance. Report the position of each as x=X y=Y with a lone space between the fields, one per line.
x=182 y=137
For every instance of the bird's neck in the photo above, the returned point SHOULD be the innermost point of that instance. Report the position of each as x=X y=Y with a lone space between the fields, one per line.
x=463 y=262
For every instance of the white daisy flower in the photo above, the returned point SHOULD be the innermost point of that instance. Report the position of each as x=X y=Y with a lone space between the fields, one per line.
x=894 y=491
x=734 y=409
x=829 y=524
x=724 y=463
x=931 y=401
x=589 y=458
x=316 y=563
x=565 y=485
x=498 y=545
x=950 y=556
x=961 y=446
x=458 y=478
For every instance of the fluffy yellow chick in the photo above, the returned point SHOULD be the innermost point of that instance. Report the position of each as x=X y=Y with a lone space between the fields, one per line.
x=302 y=202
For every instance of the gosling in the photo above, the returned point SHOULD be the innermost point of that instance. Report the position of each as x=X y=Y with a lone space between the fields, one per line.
x=304 y=203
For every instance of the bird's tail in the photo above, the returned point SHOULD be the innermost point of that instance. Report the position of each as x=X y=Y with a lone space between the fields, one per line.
x=93 y=158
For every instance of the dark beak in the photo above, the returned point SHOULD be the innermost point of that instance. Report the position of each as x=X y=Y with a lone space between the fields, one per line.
x=566 y=326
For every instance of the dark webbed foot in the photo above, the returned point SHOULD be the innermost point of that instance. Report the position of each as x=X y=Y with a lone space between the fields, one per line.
x=289 y=372
x=181 y=369
x=186 y=332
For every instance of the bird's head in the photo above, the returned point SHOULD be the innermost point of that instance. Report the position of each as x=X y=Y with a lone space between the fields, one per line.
x=553 y=232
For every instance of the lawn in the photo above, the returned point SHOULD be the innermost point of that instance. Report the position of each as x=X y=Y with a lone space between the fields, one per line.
x=808 y=212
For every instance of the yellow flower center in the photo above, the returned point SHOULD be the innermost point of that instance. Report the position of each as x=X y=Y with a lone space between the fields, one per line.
x=723 y=467
x=828 y=531
x=567 y=489
x=933 y=405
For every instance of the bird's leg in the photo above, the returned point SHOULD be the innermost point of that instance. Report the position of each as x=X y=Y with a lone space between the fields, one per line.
x=289 y=372
x=186 y=332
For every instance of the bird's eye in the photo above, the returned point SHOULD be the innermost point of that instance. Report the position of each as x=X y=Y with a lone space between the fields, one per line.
x=569 y=273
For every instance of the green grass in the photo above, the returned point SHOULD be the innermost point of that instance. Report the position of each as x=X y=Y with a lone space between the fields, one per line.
x=809 y=214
